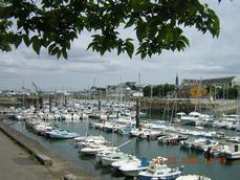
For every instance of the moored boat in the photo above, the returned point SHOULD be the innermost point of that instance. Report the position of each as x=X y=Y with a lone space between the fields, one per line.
x=158 y=170
x=192 y=177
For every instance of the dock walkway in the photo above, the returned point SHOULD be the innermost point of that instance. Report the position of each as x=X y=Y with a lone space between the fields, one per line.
x=16 y=163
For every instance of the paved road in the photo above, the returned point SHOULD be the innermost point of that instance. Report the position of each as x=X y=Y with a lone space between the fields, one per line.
x=16 y=164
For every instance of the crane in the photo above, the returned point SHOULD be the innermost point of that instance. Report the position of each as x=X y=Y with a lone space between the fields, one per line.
x=38 y=93
x=37 y=89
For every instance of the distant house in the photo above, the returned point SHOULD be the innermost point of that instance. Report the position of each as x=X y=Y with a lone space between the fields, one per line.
x=97 y=91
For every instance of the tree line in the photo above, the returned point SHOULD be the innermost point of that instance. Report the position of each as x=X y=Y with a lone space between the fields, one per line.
x=161 y=90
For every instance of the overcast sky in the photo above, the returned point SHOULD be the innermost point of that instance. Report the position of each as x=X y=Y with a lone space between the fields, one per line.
x=206 y=57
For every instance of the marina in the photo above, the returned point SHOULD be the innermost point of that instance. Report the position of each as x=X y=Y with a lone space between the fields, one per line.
x=99 y=141
x=119 y=90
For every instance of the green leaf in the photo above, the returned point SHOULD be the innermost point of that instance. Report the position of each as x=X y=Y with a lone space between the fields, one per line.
x=36 y=44
x=18 y=40
x=141 y=31
x=26 y=40
x=129 y=48
x=64 y=53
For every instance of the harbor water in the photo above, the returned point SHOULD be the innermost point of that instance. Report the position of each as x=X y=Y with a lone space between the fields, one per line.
x=193 y=162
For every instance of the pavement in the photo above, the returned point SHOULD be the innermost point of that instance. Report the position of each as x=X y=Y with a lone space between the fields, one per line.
x=17 y=164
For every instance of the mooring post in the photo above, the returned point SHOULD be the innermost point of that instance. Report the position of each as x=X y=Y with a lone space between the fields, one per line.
x=65 y=100
x=137 y=112
x=99 y=105
x=50 y=103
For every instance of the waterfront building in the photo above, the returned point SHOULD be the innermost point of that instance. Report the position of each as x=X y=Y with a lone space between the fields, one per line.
x=198 y=87
x=217 y=82
x=125 y=89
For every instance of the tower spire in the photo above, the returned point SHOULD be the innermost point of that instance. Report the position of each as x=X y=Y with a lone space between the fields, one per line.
x=177 y=81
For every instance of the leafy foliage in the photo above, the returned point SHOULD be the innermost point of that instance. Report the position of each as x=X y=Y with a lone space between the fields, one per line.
x=54 y=24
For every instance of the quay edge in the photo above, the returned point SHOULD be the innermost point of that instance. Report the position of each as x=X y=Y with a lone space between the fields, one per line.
x=59 y=168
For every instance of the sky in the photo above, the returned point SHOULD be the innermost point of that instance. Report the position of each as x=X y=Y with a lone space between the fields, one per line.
x=206 y=57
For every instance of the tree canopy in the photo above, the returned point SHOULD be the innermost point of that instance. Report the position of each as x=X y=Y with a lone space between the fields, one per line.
x=54 y=24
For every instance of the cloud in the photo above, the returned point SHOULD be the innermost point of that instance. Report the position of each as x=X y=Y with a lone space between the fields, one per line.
x=206 y=57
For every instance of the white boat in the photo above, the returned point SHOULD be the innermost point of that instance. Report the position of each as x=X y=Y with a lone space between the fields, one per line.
x=233 y=153
x=158 y=170
x=135 y=132
x=129 y=160
x=172 y=138
x=234 y=139
x=192 y=177
x=195 y=118
x=150 y=134
x=107 y=160
x=105 y=153
x=218 y=150
x=93 y=150
x=203 y=144
x=60 y=134
x=42 y=128
x=83 y=138
x=91 y=141
x=133 y=168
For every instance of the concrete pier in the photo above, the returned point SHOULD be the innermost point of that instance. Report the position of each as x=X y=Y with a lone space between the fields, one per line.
x=42 y=163
x=18 y=164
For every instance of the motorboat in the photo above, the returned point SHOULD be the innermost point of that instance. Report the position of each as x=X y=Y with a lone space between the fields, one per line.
x=60 y=134
x=195 y=119
x=172 y=138
x=233 y=139
x=134 y=167
x=158 y=170
x=42 y=128
x=129 y=160
x=203 y=144
x=91 y=141
x=86 y=138
x=107 y=160
x=105 y=153
x=233 y=153
x=217 y=151
x=150 y=134
x=94 y=149
x=135 y=132
x=192 y=177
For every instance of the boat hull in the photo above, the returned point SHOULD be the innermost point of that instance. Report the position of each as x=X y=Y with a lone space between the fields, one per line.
x=170 y=177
